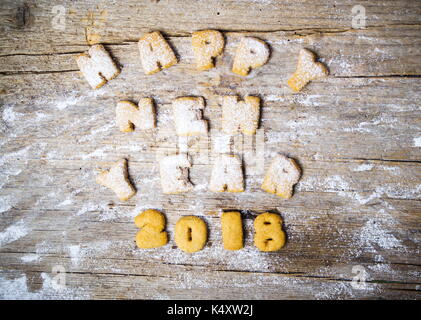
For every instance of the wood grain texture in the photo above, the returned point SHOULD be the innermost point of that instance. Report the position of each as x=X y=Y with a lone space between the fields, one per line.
x=356 y=135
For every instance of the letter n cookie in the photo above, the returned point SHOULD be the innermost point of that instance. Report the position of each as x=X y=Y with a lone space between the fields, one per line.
x=142 y=116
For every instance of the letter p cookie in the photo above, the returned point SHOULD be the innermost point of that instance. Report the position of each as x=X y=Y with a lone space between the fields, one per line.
x=251 y=53
x=207 y=45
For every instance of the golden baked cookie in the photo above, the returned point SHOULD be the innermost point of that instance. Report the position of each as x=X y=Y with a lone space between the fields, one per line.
x=155 y=53
x=174 y=171
x=268 y=235
x=152 y=233
x=227 y=174
x=307 y=69
x=97 y=66
x=188 y=116
x=117 y=179
x=251 y=53
x=282 y=175
x=207 y=45
x=191 y=234
x=240 y=116
x=142 y=116
x=232 y=230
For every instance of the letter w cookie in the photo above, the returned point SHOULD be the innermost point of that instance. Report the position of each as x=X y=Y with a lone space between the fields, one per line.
x=240 y=115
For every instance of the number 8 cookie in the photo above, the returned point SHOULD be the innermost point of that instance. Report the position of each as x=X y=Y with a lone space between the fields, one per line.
x=269 y=235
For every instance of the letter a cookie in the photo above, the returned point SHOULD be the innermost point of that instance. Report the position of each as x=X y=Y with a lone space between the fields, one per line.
x=128 y=115
x=251 y=53
x=227 y=174
x=240 y=115
x=155 y=53
x=307 y=69
x=188 y=116
x=97 y=66
x=117 y=179
x=207 y=45
x=174 y=171
x=282 y=175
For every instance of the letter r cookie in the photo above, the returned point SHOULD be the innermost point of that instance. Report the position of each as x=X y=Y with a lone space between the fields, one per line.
x=282 y=175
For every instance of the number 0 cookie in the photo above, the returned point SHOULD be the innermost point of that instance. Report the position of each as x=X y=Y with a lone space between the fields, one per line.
x=191 y=234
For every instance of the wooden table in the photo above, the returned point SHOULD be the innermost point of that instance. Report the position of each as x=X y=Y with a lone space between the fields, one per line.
x=353 y=224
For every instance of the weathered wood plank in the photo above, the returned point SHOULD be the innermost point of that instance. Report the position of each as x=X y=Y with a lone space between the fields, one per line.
x=356 y=135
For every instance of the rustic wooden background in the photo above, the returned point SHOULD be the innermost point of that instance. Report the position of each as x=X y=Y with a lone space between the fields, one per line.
x=356 y=211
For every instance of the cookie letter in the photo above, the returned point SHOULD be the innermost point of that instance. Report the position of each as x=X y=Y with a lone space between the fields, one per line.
x=188 y=116
x=251 y=53
x=207 y=44
x=240 y=115
x=307 y=69
x=281 y=176
x=97 y=66
x=227 y=174
x=174 y=171
x=128 y=115
x=155 y=53
x=269 y=235
x=117 y=179
x=152 y=233
x=232 y=230
x=190 y=234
